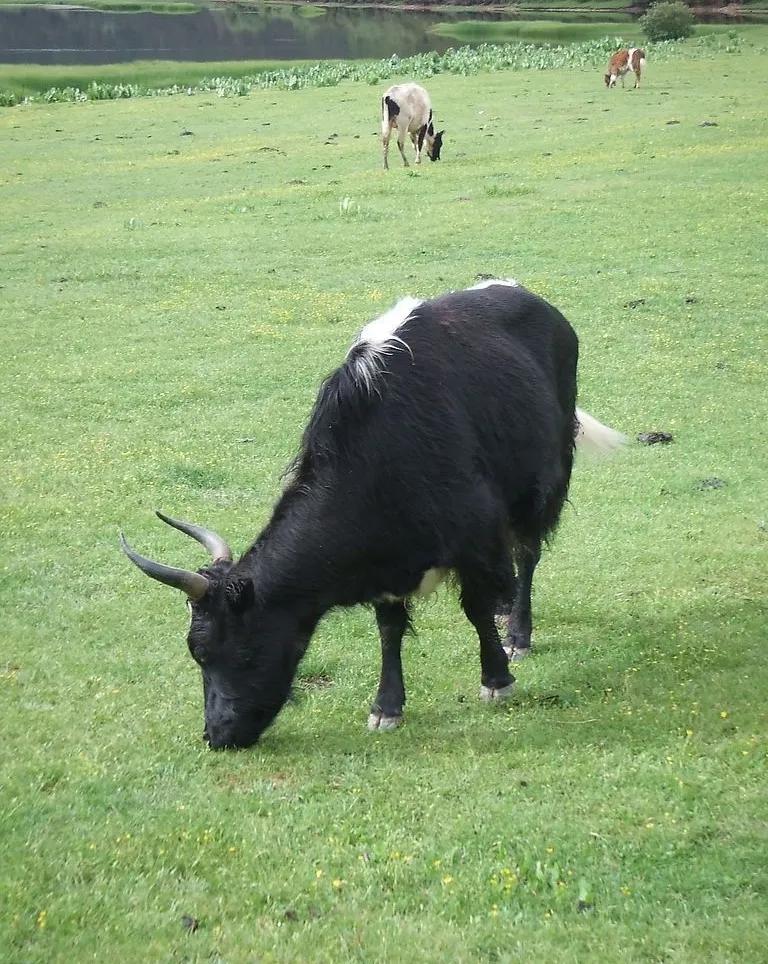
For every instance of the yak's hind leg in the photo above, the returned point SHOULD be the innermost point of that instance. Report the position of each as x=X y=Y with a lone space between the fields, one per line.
x=506 y=601
x=517 y=641
x=479 y=596
x=387 y=709
x=541 y=518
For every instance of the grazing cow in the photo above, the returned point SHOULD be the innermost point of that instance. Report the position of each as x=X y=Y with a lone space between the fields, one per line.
x=621 y=63
x=406 y=108
x=443 y=444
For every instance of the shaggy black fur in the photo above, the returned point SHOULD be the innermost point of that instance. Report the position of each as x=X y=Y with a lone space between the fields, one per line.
x=458 y=456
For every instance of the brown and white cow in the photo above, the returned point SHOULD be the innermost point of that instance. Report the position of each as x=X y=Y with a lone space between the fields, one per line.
x=622 y=62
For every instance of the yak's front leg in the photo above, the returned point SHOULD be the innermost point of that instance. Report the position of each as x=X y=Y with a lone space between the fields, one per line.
x=387 y=709
x=479 y=605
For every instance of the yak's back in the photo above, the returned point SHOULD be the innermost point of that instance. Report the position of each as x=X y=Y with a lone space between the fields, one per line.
x=473 y=381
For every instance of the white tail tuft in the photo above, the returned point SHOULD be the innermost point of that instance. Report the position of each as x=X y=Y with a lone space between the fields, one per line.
x=594 y=437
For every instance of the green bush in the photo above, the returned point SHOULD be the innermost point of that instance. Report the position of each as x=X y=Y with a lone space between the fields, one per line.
x=668 y=21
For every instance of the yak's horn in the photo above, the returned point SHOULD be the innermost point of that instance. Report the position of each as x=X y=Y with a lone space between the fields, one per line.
x=192 y=583
x=213 y=543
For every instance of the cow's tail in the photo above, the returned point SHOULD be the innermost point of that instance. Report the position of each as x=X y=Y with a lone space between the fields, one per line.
x=389 y=109
x=594 y=437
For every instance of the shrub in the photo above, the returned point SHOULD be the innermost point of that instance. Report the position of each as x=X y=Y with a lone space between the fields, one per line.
x=668 y=21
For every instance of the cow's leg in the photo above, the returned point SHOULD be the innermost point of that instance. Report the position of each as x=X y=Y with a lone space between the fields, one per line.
x=387 y=709
x=418 y=141
x=478 y=599
x=637 y=78
x=402 y=130
x=416 y=147
x=400 y=145
x=517 y=643
x=385 y=144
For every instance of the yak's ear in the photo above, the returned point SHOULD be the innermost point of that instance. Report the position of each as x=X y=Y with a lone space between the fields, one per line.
x=240 y=594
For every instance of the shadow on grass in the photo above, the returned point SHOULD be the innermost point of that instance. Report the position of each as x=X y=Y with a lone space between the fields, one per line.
x=609 y=697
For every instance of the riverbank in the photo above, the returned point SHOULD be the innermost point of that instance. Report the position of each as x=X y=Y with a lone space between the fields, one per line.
x=627 y=31
x=151 y=79
x=30 y=80
x=734 y=10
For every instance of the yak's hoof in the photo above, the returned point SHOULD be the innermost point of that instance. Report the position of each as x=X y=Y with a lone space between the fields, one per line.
x=380 y=721
x=517 y=646
x=490 y=693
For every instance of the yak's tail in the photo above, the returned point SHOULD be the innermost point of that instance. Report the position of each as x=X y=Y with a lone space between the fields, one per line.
x=594 y=437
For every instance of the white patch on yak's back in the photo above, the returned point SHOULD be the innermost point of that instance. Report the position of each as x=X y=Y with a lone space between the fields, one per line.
x=509 y=282
x=382 y=330
x=380 y=338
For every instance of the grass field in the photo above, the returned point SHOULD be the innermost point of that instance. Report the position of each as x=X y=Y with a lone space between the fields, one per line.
x=537 y=31
x=115 y=6
x=27 y=79
x=178 y=274
x=557 y=31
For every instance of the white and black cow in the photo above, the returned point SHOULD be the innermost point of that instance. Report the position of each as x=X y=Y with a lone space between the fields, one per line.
x=621 y=63
x=406 y=108
x=442 y=445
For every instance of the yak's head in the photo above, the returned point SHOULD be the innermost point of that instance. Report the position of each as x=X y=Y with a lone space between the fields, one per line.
x=434 y=143
x=247 y=651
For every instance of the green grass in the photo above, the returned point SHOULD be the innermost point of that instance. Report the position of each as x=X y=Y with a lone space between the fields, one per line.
x=536 y=31
x=568 y=32
x=115 y=6
x=169 y=305
x=28 y=79
x=311 y=12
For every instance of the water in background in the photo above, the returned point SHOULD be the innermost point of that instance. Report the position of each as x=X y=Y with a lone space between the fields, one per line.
x=51 y=35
